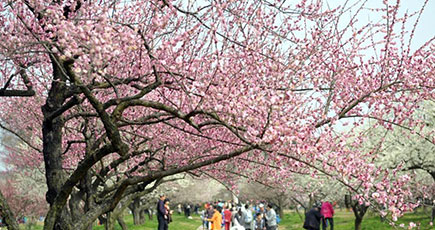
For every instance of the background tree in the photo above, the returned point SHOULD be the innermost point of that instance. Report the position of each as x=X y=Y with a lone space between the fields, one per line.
x=412 y=149
x=22 y=183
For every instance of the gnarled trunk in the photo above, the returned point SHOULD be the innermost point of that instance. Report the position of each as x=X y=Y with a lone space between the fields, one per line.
x=52 y=142
x=137 y=211
x=121 y=222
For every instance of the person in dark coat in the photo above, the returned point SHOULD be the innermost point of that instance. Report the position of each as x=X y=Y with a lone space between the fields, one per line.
x=313 y=218
x=161 y=213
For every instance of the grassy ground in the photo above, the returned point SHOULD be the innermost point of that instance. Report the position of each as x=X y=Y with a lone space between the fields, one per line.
x=343 y=220
x=180 y=222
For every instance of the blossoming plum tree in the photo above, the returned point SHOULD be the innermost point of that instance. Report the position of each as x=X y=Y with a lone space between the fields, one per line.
x=411 y=149
x=139 y=91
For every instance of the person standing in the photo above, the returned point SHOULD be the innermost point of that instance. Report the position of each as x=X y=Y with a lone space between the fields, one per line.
x=161 y=213
x=262 y=211
x=216 y=220
x=210 y=212
x=168 y=216
x=204 y=219
x=179 y=208
x=238 y=217
x=227 y=215
x=188 y=210
x=247 y=218
x=313 y=217
x=328 y=212
x=259 y=222
x=271 y=218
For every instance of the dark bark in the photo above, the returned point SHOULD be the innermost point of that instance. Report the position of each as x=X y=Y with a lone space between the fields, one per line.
x=88 y=199
x=29 y=92
x=17 y=93
x=52 y=143
x=359 y=211
x=358 y=222
x=117 y=215
x=432 y=217
x=7 y=214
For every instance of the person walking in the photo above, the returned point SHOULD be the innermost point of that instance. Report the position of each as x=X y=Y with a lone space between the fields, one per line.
x=328 y=212
x=161 y=213
x=216 y=220
x=271 y=218
x=313 y=217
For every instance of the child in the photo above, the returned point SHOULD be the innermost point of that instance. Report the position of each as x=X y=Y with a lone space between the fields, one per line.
x=259 y=222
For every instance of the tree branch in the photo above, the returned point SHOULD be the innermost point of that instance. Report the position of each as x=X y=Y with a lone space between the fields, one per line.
x=21 y=138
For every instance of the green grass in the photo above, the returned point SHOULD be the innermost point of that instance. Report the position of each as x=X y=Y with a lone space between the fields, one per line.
x=180 y=222
x=344 y=220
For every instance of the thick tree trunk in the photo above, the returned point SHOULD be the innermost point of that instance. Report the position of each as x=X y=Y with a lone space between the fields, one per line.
x=7 y=215
x=137 y=211
x=86 y=185
x=142 y=215
x=110 y=222
x=121 y=222
x=52 y=143
x=113 y=217
x=359 y=211
x=136 y=217
x=358 y=222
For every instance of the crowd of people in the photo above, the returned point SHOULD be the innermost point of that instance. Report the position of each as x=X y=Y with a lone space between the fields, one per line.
x=188 y=209
x=221 y=215
x=228 y=216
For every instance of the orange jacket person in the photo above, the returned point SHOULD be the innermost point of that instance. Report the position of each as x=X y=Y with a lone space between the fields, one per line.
x=216 y=220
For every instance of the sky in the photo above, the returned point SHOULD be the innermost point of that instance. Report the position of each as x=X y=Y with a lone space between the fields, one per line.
x=425 y=28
